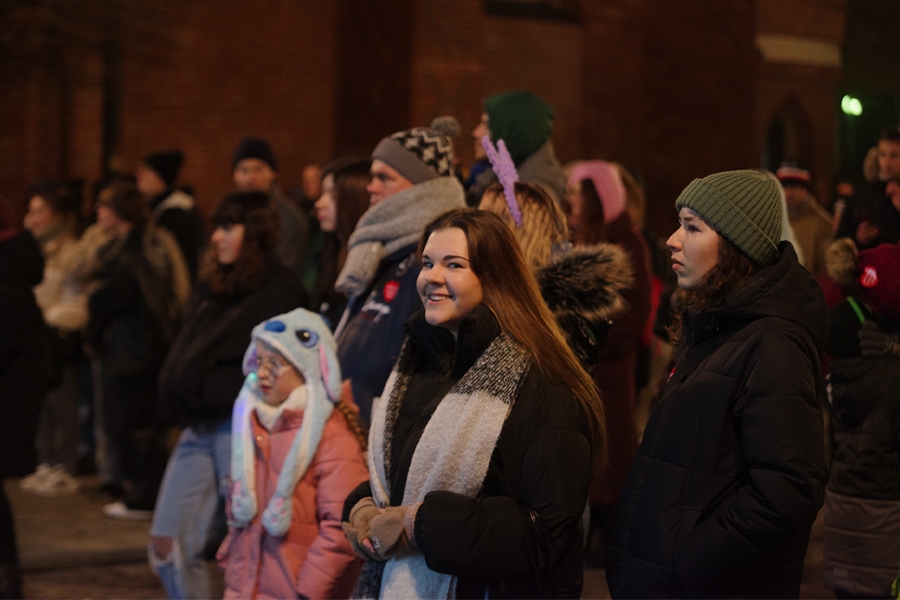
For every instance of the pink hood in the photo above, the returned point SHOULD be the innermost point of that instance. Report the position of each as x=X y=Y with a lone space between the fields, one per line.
x=608 y=184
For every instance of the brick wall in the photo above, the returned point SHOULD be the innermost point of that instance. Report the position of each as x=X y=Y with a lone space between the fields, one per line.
x=807 y=94
x=813 y=18
x=697 y=97
x=612 y=111
x=262 y=68
x=674 y=89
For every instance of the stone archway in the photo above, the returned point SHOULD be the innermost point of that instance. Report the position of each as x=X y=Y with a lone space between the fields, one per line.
x=789 y=136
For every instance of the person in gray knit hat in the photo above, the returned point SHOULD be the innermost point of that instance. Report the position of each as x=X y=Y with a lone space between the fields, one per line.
x=730 y=473
x=413 y=182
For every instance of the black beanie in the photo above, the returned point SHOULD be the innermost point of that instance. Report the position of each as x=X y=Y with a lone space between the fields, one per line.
x=166 y=164
x=254 y=147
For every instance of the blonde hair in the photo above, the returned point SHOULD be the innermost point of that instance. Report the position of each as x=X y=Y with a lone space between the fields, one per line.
x=543 y=221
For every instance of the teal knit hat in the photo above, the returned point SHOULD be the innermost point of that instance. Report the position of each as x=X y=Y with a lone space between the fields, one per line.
x=743 y=206
x=521 y=119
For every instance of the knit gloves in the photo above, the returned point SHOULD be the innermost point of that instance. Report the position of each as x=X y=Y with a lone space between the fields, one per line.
x=874 y=342
x=381 y=534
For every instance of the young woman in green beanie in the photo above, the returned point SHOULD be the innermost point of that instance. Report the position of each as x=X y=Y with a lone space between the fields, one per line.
x=729 y=477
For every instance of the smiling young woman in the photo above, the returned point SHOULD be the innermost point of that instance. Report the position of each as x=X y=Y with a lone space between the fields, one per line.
x=483 y=447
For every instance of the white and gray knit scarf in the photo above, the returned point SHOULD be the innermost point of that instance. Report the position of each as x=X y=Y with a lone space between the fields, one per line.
x=452 y=455
x=393 y=223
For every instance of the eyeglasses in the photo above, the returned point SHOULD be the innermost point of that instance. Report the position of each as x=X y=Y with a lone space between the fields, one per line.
x=273 y=366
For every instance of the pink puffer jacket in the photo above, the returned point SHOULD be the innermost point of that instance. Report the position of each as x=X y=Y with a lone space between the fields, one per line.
x=314 y=559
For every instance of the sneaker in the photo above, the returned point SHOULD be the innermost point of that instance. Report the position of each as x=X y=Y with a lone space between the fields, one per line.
x=57 y=482
x=119 y=510
x=42 y=472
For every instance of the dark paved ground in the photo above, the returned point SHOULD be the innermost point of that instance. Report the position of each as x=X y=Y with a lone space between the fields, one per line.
x=68 y=549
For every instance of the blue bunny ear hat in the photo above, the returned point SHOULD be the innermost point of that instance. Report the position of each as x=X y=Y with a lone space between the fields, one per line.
x=304 y=340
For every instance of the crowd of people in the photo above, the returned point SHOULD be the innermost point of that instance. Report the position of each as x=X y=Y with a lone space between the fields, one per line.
x=400 y=380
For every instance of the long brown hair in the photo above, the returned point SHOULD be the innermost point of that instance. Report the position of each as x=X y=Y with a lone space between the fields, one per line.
x=732 y=268
x=351 y=176
x=512 y=294
x=256 y=212
x=591 y=226
x=635 y=201
x=543 y=222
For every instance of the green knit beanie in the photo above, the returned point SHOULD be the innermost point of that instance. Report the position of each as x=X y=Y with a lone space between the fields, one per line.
x=743 y=206
x=521 y=119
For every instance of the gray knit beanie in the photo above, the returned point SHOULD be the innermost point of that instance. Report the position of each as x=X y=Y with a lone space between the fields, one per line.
x=421 y=153
x=743 y=206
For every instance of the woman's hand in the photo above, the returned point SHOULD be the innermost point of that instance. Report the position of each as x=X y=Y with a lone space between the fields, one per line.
x=357 y=529
x=391 y=532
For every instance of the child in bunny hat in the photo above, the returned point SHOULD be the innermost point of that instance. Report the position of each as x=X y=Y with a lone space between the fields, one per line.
x=294 y=461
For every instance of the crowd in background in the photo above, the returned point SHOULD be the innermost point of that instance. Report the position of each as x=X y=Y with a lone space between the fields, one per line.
x=118 y=333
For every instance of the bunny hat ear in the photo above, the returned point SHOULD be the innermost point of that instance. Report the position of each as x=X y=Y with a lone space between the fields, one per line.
x=330 y=370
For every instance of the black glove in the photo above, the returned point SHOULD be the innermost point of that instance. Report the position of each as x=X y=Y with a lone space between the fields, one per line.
x=874 y=342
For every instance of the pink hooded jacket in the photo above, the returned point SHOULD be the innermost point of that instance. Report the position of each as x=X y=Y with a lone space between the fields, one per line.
x=314 y=559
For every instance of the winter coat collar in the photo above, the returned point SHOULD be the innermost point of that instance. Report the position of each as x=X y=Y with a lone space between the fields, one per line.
x=476 y=332
x=784 y=289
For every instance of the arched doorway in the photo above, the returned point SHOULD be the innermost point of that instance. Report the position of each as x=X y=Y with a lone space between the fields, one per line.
x=788 y=137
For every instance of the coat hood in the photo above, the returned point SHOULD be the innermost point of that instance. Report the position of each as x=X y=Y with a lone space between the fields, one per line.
x=784 y=289
x=587 y=281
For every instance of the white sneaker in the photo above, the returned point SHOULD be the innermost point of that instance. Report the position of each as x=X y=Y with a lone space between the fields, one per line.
x=29 y=482
x=119 y=510
x=57 y=482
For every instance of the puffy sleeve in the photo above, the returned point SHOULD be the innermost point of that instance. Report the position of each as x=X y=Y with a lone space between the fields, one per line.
x=779 y=413
x=331 y=568
x=513 y=537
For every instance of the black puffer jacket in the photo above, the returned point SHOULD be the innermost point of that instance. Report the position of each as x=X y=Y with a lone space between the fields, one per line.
x=861 y=547
x=540 y=469
x=202 y=373
x=729 y=476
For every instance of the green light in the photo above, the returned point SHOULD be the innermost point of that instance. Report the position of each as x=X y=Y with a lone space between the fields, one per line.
x=851 y=106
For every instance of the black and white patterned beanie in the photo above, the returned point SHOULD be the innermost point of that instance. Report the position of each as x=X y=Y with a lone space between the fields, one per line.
x=421 y=153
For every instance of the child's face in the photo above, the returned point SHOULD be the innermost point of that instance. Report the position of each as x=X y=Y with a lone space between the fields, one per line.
x=276 y=376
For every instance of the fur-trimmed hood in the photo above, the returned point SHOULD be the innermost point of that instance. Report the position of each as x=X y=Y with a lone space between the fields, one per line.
x=587 y=282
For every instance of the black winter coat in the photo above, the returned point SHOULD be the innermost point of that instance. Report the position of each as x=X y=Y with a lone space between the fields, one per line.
x=729 y=476
x=22 y=353
x=861 y=546
x=202 y=373
x=522 y=536
x=123 y=329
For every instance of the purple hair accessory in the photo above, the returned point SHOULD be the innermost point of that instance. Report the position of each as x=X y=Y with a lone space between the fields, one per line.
x=505 y=171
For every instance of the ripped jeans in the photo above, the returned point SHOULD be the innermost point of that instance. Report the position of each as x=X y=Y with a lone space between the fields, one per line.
x=189 y=504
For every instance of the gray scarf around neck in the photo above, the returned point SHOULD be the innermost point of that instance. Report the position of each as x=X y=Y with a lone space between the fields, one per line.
x=452 y=455
x=395 y=222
